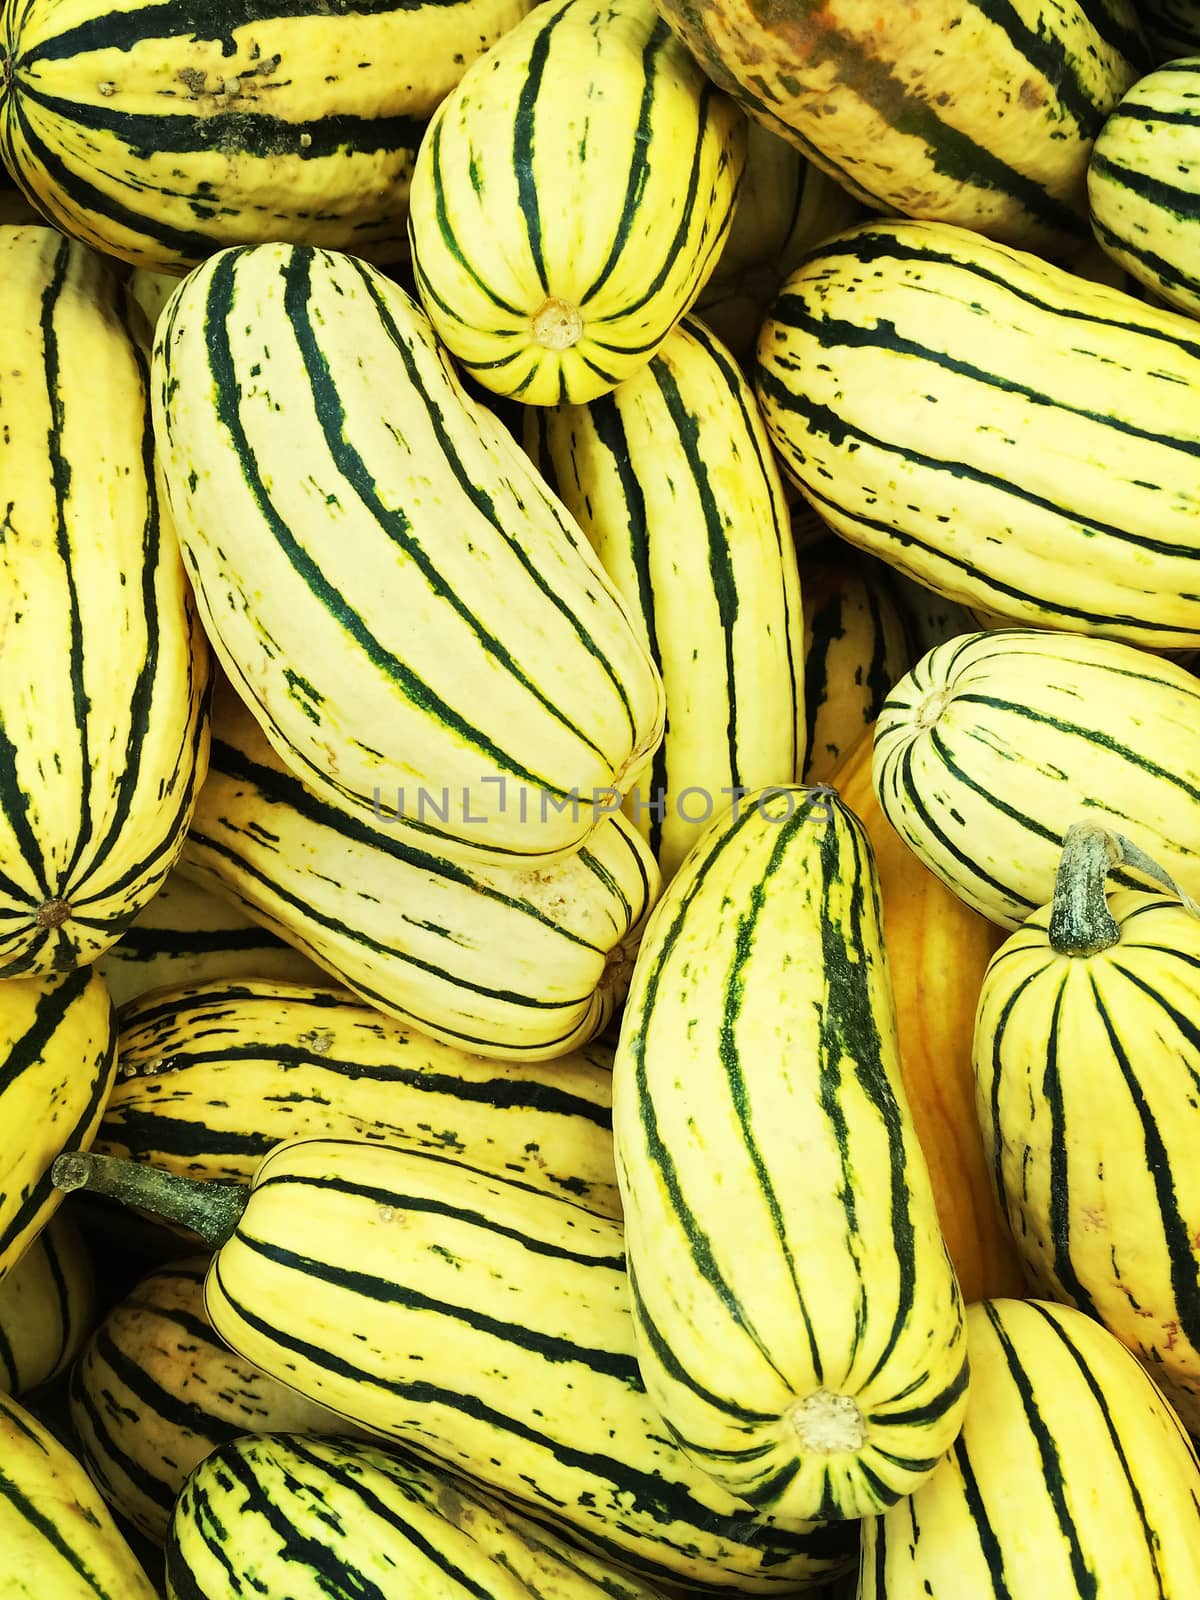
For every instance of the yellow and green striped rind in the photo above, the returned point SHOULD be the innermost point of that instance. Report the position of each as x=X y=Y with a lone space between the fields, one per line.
x=672 y=479
x=295 y=1512
x=499 y=962
x=880 y=101
x=394 y=591
x=214 y=1074
x=856 y=647
x=1086 y=1070
x=155 y=1390
x=188 y=935
x=1172 y=28
x=570 y=199
x=103 y=696
x=799 y=1323
x=785 y=207
x=995 y=743
x=58 y=1538
x=159 y=135
x=47 y=1307
x=487 y=1326
x=1017 y=438
x=1144 y=183
x=57 y=1065
x=1072 y=1476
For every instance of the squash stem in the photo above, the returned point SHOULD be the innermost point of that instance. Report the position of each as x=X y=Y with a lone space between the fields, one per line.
x=209 y=1209
x=1080 y=922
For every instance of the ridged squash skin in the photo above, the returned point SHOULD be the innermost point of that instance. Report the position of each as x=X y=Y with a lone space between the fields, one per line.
x=155 y=1390
x=103 y=696
x=497 y=961
x=57 y=1065
x=1144 y=183
x=938 y=951
x=673 y=481
x=395 y=592
x=214 y=1074
x=47 y=1307
x=1086 y=1068
x=1015 y=437
x=880 y=101
x=58 y=1536
x=856 y=646
x=785 y=207
x=1072 y=1476
x=186 y=934
x=488 y=1327
x=799 y=1329
x=996 y=742
x=292 y=1510
x=570 y=199
x=159 y=136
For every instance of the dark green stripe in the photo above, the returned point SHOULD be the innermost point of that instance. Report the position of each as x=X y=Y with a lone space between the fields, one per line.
x=989 y=1545
x=1171 y=276
x=172 y=1408
x=449 y=238
x=105 y=1454
x=54 y=1535
x=153 y=944
x=1171 y=197
x=28 y=1052
x=66 y=1327
x=524 y=141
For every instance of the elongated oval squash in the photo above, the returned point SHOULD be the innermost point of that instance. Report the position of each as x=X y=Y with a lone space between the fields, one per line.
x=673 y=481
x=186 y=934
x=1086 y=1064
x=158 y=135
x=57 y=1065
x=47 y=1307
x=1072 y=1476
x=799 y=1327
x=504 y=962
x=103 y=692
x=394 y=591
x=58 y=1537
x=996 y=742
x=214 y=1074
x=481 y=1322
x=294 y=1510
x=938 y=951
x=880 y=99
x=570 y=199
x=1016 y=437
x=856 y=647
x=156 y=1390
x=1144 y=183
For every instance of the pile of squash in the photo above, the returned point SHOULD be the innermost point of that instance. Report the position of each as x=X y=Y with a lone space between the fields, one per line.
x=599 y=800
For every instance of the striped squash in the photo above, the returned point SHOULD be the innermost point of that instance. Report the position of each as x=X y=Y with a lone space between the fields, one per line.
x=213 y=1075
x=673 y=481
x=294 y=1511
x=1071 y=1477
x=155 y=1390
x=159 y=135
x=187 y=934
x=481 y=1323
x=103 y=694
x=1144 y=183
x=1172 y=28
x=58 y=1539
x=57 y=1065
x=996 y=742
x=150 y=292
x=1035 y=456
x=570 y=199
x=798 y=1321
x=47 y=1307
x=785 y=207
x=855 y=649
x=880 y=100
x=1086 y=1062
x=929 y=618
x=502 y=962
x=938 y=951
x=399 y=597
